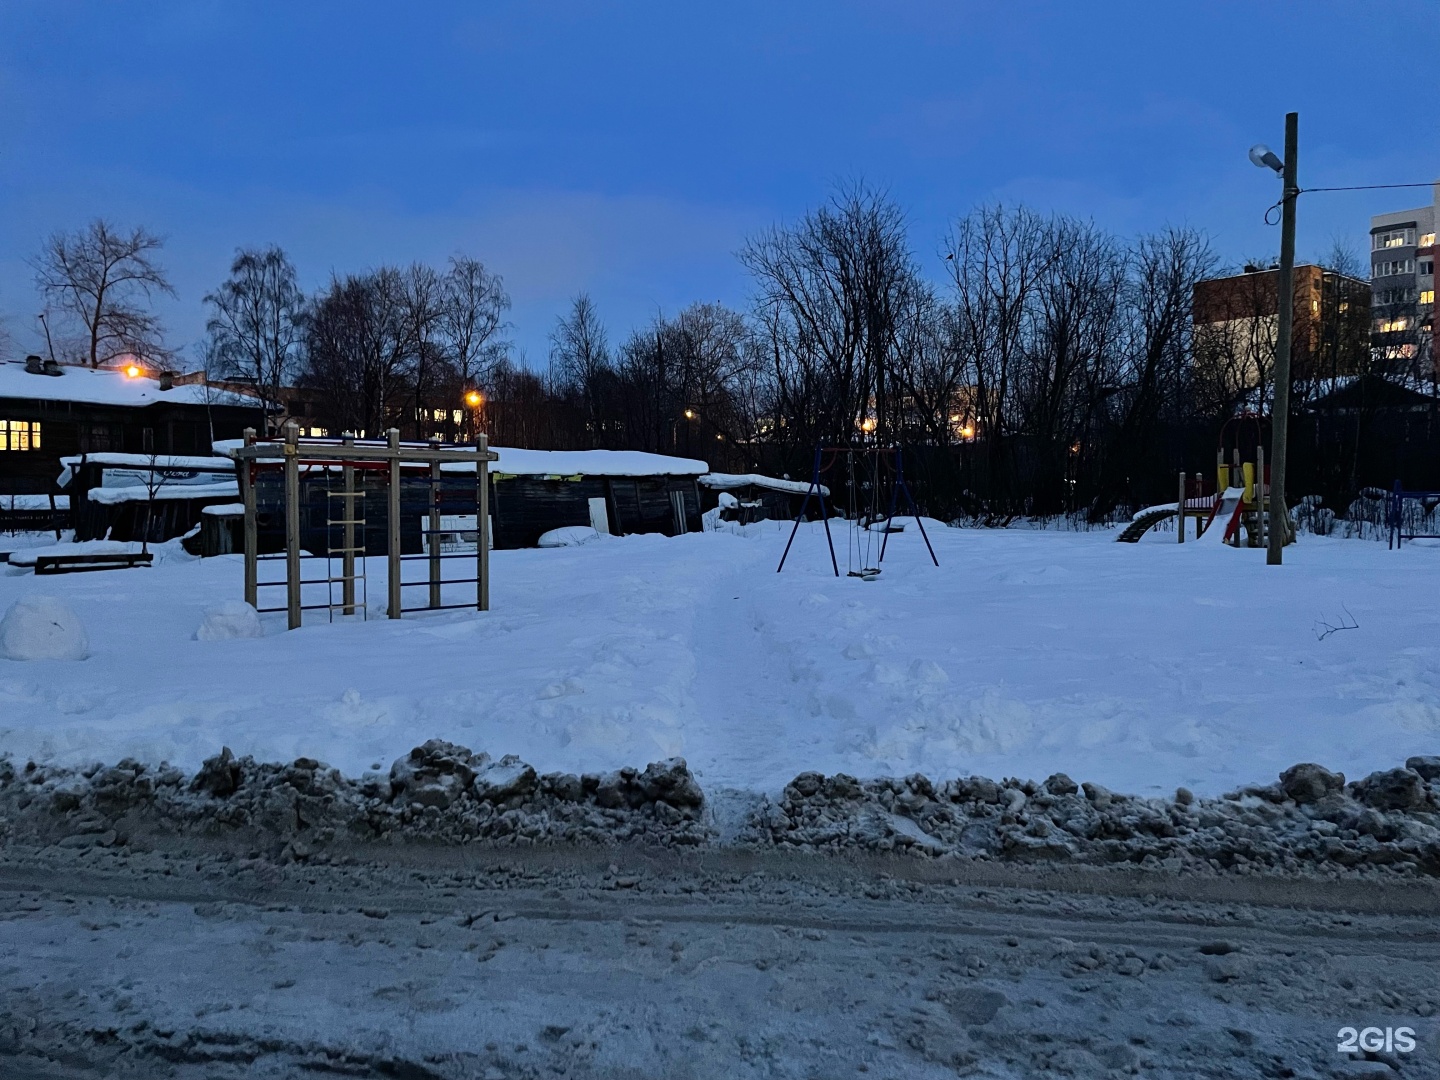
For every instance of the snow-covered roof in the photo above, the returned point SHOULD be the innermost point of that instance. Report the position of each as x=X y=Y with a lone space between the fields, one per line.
x=143 y=461
x=592 y=463
x=110 y=496
x=513 y=462
x=108 y=386
x=726 y=481
x=33 y=502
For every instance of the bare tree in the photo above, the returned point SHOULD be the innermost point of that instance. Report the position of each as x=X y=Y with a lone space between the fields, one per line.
x=473 y=303
x=104 y=279
x=834 y=293
x=257 y=320
x=359 y=345
x=580 y=360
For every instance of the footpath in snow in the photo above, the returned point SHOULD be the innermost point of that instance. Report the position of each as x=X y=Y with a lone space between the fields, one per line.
x=1141 y=668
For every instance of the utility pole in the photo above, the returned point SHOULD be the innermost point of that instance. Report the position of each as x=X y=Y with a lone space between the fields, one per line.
x=1279 y=524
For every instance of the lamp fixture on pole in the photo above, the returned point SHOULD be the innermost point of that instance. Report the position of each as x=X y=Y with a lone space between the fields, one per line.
x=1278 y=526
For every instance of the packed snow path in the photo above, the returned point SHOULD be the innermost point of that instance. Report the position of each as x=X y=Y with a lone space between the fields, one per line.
x=1141 y=667
x=185 y=965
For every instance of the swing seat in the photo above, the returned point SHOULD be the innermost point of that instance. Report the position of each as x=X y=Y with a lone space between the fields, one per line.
x=868 y=574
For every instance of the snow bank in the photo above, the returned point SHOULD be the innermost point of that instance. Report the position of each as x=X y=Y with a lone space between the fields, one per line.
x=230 y=620
x=569 y=536
x=39 y=627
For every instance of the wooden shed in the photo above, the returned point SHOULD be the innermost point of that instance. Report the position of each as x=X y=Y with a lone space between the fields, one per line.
x=531 y=493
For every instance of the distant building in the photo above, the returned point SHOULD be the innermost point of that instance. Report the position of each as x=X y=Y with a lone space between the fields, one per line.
x=50 y=411
x=1237 y=325
x=1402 y=267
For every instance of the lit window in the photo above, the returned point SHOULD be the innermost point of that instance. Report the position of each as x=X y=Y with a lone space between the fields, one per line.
x=1392 y=326
x=1314 y=307
x=19 y=434
x=455 y=416
x=1427 y=240
x=1427 y=296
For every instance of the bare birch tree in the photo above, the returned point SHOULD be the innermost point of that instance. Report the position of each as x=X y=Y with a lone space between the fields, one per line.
x=103 y=281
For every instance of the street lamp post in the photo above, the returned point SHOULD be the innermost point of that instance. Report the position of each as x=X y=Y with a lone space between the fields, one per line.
x=49 y=345
x=1278 y=525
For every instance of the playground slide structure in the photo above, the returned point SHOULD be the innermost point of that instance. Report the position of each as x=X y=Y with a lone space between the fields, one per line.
x=1224 y=522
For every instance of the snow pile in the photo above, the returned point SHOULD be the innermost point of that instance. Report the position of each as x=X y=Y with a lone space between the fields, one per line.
x=569 y=536
x=228 y=621
x=39 y=627
x=1309 y=821
x=436 y=792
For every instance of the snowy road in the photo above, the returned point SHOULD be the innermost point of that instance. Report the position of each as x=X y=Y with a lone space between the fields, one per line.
x=495 y=966
x=1140 y=667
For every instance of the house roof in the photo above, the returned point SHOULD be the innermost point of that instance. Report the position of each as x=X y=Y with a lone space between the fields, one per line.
x=108 y=386
x=516 y=462
x=1372 y=392
x=729 y=481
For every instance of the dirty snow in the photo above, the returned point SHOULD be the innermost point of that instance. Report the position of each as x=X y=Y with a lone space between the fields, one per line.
x=1140 y=667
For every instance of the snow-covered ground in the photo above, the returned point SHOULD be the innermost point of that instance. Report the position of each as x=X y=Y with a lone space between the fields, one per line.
x=1141 y=667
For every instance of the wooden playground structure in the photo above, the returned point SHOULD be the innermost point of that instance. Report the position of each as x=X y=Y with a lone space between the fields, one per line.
x=349 y=469
x=1236 y=510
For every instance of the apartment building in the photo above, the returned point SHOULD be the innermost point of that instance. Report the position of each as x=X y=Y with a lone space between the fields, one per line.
x=1402 y=278
x=1237 y=325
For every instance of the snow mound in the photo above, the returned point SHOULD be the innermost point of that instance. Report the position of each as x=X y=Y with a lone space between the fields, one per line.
x=228 y=621
x=569 y=536
x=40 y=627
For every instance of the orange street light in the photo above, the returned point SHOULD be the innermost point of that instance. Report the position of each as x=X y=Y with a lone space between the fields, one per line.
x=132 y=371
x=689 y=414
x=474 y=398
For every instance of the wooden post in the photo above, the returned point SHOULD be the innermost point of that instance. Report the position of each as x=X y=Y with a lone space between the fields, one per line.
x=246 y=469
x=292 y=524
x=434 y=526
x=392 y=524
x=482 y=524
x=1260 y=494
x=347 y=559
x=1180 y=511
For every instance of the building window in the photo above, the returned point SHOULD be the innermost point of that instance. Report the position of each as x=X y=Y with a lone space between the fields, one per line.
x=19 y=434
x=1391 y=267
x=1427 y=266
x=1427 y=240
x=1394 y=238
x=1427 y=296
x=1394 y=326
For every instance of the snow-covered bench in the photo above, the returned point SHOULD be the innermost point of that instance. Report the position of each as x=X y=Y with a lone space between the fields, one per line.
x=67 y=564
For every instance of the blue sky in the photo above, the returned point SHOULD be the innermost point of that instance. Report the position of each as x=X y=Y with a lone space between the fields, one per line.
x=628 y=149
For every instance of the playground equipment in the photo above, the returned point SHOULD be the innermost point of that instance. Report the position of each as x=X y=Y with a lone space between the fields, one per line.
x=867 y=469
x=1239 y=503
x=1401 y=526
x=362 y=467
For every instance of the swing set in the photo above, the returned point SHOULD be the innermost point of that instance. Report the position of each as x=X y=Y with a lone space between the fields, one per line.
x=867 y=470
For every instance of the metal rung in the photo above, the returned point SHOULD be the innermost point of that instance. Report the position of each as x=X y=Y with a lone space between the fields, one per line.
x=344 y=521
x=442 y=581
x=343 y=550
x=345 y=494
x=439 y=555
x=347 y=577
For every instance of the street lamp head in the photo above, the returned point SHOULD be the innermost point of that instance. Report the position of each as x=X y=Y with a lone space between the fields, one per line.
x=689 y=414
x=1263 y=157
x=474 y=399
